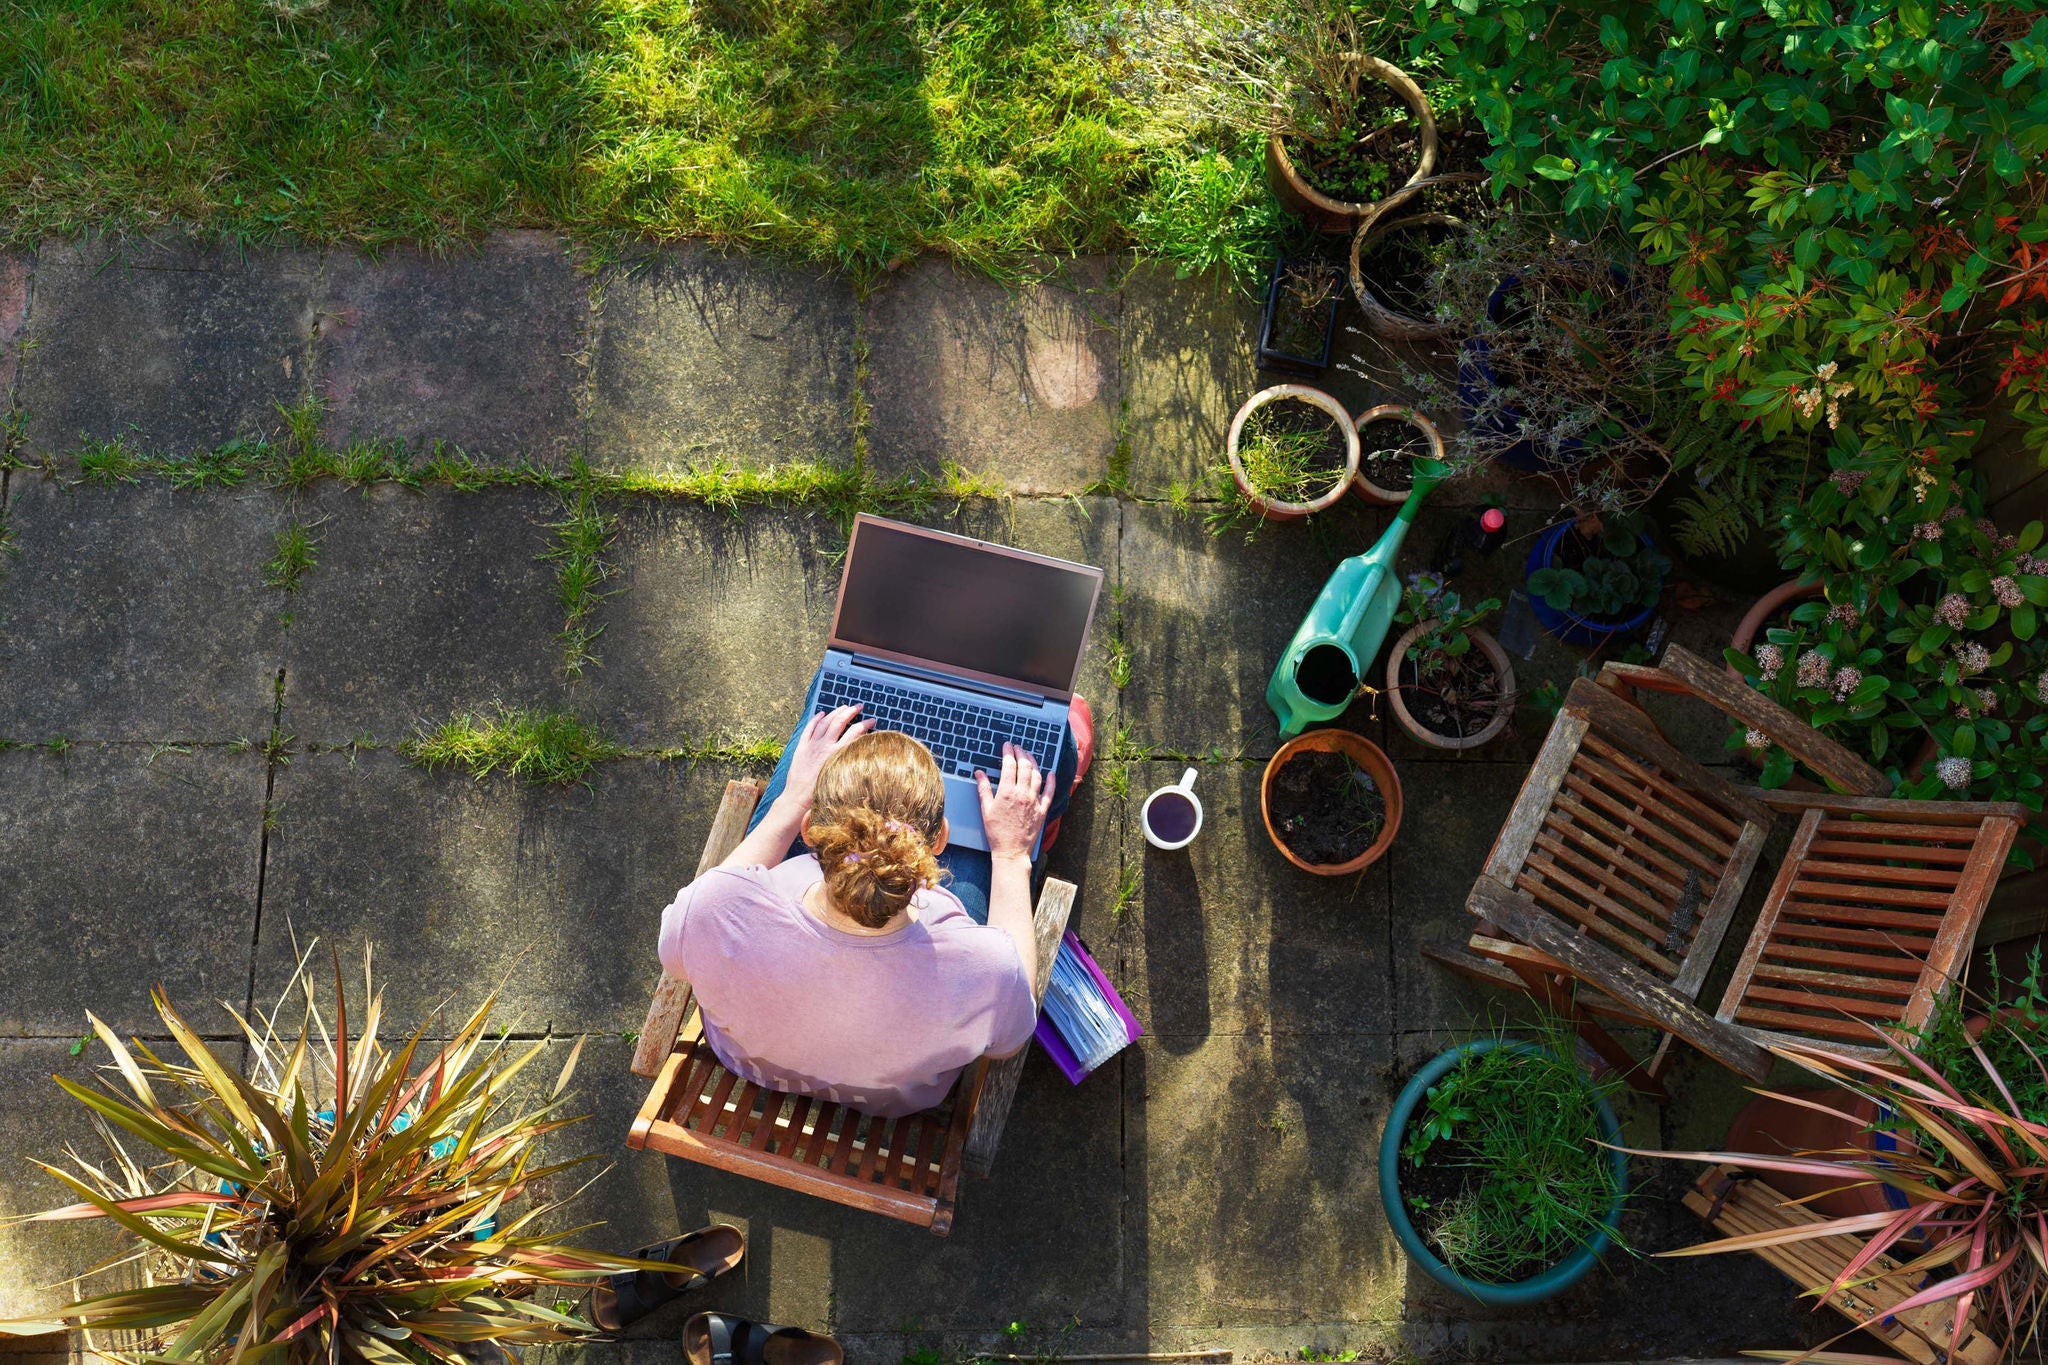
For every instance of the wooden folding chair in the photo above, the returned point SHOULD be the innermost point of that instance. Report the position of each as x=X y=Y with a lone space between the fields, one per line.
x=1735 y=1203
x=1623 y=862
x=907 y=1168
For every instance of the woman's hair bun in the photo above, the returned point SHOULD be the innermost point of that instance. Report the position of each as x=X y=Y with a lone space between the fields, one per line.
x=879 y=808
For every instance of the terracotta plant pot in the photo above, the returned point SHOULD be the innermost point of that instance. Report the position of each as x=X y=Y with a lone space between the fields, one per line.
x=1310 y=204
x=1773 y=1128
x=1502 y=669
x=1276 y=509
x=1383 y=319
x=1767 y=606
x=1366 y=755
x=1366 y=488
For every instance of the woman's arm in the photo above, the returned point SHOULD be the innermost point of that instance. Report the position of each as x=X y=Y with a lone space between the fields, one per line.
x=1011 y=814
x=768 y=842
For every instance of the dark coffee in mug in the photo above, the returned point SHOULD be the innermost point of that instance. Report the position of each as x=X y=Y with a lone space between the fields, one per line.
x=1171 y=817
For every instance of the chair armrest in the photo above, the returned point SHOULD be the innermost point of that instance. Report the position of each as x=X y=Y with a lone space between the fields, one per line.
x=1714 y=685
x=1518 y=918
x=992 y=1109
x=672 y=996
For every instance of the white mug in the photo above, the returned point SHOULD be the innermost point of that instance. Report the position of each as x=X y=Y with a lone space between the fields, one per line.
x=1181 y=815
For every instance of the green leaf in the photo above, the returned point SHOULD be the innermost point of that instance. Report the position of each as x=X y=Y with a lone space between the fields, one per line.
x=2024 y=621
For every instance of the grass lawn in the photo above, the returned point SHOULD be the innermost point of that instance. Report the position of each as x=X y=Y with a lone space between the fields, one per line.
x=857 y=131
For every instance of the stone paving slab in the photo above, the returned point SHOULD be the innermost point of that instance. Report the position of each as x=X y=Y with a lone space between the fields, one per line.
x=1233 y=605
x=15 y=268
x=138 y=612
x=1019 y=384
x=126 y=867
x=485 y=350
x=423 y=604
x=702 y=356
x=1226 y=937
x=550 y=896
x=174 y=346
x=715 y=622
x=1187 y=348
x=42 y=1122
x=1253 y=1169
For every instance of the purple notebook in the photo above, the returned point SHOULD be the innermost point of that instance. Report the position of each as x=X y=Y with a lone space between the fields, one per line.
x=1049 y=1037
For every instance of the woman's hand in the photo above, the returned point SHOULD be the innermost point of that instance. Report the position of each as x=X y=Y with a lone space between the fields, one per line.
x=828 y=732
x=1014 y=809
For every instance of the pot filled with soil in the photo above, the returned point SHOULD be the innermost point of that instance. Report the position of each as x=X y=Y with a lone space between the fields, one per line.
x=1393 y=144
x=1300 y=321
x=1491 y=1175
x=1391 y=437
x=1293 y=450
x=1394 y=253
x=1588 y=589
x=1331 y=802
x=1450 y=700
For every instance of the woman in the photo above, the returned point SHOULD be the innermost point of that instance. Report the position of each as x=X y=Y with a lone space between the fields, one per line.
x=849 y=971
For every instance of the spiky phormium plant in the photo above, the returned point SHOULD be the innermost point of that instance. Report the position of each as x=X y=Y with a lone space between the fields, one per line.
x=345 y=1201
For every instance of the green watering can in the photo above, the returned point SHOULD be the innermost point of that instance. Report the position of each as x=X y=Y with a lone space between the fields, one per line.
x=1319 y=672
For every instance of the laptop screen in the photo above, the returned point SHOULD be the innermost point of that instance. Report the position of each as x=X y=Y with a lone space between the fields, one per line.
x=964 y=604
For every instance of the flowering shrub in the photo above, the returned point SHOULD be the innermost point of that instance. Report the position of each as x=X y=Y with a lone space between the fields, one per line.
x=1849 y=197
x=1927 y=633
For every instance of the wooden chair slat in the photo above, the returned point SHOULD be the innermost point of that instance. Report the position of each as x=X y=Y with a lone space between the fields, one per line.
x=1947 y=832
x=1546 y=774
x=871 y=1143
x=1572 y=813
x=1543 y=880
x=913 y=1143
x=1830 y=869
x=1720 y=912
x=849 y=1134
x=1727 y=826
x=1649 y=881
x=799 y=1117
x=1617 y=720
x=1830 y=1002
x=1634 y=829
x=1833 y=982
x=1837 y=912
x=1779 y=949
x=711 y=1116
x=1803 y=1026
x=1805 y=932
x=1649 y=808
x=1856 y=893
x=1944 y=855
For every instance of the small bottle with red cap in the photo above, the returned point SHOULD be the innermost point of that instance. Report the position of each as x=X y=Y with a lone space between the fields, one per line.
x=1479 y=534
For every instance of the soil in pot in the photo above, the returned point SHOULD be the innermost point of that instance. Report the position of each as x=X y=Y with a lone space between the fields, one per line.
x=1387 y=451
x=1326 y=808
x=1363 y=169
x=1301 y=309
x=1291 y=451
x=1501 y=1172
x=1460 y=697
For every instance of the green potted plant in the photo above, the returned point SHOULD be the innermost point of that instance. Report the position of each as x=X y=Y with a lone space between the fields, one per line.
x=329 y=1197
x=1591 y=582
x=1449 y=682
x=1498 y=1169
x=1291 y=450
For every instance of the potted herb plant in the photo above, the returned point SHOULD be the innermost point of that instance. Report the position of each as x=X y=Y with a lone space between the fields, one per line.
x=1394 y=255
x=1391 y=438
x=1331 y=802
x=327 y=1198
x=1449 y=682
x=1375 y=122
x=1493 y=1173
x=1300 y=321
x=1292 y=450
x=1588 y=586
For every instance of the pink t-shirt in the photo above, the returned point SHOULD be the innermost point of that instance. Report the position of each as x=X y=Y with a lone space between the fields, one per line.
x=883 y=1023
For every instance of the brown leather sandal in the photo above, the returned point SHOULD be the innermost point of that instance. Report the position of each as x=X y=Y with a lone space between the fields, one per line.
x=716 y=1339
x=631 y=1295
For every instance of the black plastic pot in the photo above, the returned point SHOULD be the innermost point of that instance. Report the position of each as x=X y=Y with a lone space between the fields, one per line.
x=1271 y=356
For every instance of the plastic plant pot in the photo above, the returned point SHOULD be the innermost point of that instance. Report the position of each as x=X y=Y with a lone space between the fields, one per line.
x=1566 y=626
x=1272 y=356
x=1537 y=1288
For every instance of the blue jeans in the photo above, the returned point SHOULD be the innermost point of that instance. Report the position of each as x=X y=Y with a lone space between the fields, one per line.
x=967 y=869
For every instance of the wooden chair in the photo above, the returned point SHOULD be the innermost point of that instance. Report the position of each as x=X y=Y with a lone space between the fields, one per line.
x=907 y=1168
x=1623 y=862
x=1735 y=1203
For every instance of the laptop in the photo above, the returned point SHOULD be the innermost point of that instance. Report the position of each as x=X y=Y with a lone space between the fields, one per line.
x=960 y=644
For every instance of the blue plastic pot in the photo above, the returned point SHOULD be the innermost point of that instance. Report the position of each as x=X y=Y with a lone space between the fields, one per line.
x=1553 y=1281
x=1477 y=381
x=1570 y=628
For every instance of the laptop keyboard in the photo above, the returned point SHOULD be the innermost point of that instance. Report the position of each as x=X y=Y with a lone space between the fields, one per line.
x=961 y=735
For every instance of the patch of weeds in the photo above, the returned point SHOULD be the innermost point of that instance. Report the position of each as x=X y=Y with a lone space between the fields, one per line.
x=1118 y=648
x=1281 y=1122
x=108 y=463
x=59 y=748
x=302 y=423
x=802 y=483
x=1316 y=1353
x=277 y=747
x=295 y=556
x=1124 y=749
x=1116 y=780
x=83 y=1042
x=537 y=746
x=361 y=462
x=581 y=537
x=228 y=465
x=743 y=750
x=957 y=484
x=1127 y=887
